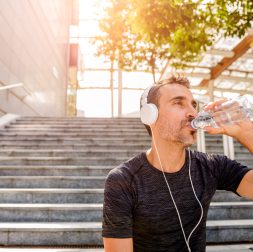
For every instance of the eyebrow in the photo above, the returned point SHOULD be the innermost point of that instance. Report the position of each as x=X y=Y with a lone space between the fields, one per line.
x=183 y=98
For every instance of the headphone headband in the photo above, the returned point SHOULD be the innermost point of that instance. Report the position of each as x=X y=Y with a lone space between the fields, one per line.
x=144 y=97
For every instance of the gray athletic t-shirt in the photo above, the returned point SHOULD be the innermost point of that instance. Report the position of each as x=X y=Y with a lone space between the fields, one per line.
x=138 y=205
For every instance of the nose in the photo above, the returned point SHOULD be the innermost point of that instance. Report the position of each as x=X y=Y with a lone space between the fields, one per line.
x=192 y=112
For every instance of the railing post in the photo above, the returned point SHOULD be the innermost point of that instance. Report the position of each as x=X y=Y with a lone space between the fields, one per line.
x=228 y=146
x=201 y=142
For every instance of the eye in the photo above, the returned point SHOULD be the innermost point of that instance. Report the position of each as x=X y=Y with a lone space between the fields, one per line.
x=178 y=102
x=195 y=105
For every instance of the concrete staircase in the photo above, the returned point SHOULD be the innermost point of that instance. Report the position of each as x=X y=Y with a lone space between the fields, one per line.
x=214 y=144
x=52 y=173
x=243 y=155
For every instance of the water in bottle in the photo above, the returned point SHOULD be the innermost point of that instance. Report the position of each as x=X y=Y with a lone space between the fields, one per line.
x=229 y=112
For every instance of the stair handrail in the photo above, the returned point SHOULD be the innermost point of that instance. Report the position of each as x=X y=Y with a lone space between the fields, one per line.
x=11 y=86
x=6 y=87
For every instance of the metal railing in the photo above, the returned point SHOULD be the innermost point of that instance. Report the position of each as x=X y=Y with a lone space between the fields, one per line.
x=7 y=87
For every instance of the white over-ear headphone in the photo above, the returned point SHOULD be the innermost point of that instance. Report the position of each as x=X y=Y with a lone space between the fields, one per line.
x=149 y=111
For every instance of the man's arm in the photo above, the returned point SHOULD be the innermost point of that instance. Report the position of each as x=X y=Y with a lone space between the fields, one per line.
x=117 y=212
x=245 y=188
x=243 y=133
x=118 y=245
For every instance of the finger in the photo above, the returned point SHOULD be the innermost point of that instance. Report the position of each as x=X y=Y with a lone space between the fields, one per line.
x=211 y=130
x=213 y=105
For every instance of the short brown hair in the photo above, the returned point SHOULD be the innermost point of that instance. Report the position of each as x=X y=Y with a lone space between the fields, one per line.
x=154 y=94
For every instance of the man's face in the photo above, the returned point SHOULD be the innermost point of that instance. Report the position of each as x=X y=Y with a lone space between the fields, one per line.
x=177 y=108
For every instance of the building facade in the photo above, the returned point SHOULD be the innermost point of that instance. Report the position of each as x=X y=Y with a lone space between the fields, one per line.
x=34 y=48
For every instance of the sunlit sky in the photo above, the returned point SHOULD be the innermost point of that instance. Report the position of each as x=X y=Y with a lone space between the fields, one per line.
x=97 y=102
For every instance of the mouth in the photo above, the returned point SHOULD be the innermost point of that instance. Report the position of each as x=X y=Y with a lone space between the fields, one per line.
x=188 y=125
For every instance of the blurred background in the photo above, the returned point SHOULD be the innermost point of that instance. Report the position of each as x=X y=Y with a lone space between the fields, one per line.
x=93 y=58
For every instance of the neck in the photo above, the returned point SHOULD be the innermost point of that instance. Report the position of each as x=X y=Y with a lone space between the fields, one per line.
x=172 y=156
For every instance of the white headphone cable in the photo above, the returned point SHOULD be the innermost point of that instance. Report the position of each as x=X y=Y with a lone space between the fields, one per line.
x=201 y=208
x=178 y=214
x=179 y=218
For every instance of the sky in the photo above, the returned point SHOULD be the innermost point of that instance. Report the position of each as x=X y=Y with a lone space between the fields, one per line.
x=97 y=102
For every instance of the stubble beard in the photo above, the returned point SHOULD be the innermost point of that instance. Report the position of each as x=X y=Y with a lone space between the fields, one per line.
x=177 y=134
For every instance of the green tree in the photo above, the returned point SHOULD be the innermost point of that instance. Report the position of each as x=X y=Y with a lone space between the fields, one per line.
x=139 y=33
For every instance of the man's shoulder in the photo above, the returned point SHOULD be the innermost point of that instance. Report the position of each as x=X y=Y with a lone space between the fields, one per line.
x=207 y=158
x=127 y=169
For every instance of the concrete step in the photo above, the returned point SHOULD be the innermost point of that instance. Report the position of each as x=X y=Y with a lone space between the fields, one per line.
x=78 y=233
x=74 y=195
x=90 y=147
x=212 y=145
x=207 y=135
x=72 y=140
x=137 y=135
x=238 y=146
x=62 y=160
x=217 y=150
x=51 y=195
x=93 y=212
x=69 y=153
x=75 y=120
x=217 y=138
x=238 y=247
x=59 y=233
x=225 y=196
x=221 y=231
x=230 y=210
x=56 y=170
x=74 y=126
x=85 y=133
x=214 y=142
x=50 y=249
x=126 y=123
x=51 y=212
x=210 y=248
x=74 y=131
x=214 y=139
x=52 y=181
x=245 y=160
x=243 y=156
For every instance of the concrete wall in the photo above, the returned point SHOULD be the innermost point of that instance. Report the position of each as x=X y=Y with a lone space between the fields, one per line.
x=34 y=51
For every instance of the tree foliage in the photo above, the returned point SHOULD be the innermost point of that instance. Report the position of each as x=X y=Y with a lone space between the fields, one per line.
x=139 y=33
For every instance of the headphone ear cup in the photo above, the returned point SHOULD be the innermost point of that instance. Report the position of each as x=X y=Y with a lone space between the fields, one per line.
x=149 y=113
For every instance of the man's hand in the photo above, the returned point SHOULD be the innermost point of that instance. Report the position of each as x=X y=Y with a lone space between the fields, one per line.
x=231 y=120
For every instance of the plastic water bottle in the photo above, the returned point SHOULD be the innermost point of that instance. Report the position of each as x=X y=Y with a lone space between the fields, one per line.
x=229 y=112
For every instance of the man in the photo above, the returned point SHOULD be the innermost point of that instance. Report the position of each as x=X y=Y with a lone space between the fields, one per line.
x=158 y=200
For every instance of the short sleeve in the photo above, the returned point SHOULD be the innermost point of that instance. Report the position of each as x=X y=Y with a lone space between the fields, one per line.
x=118 y=205
x=230 y=173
